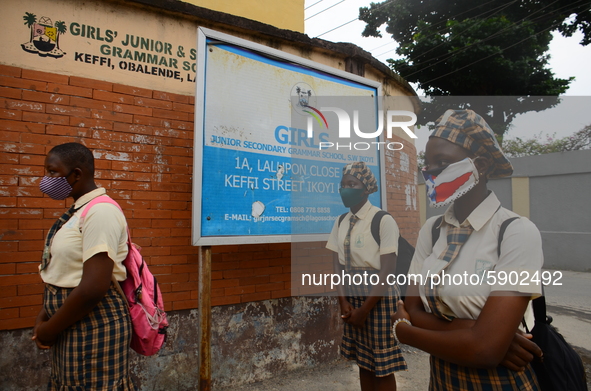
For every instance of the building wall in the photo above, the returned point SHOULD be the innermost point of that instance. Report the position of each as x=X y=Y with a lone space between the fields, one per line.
x=284 y=14
x=140 y=128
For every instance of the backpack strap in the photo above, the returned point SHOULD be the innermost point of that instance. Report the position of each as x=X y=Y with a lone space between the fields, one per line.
x=504 y=225
x=341 y=217
x=375 y=225
x=97 y=200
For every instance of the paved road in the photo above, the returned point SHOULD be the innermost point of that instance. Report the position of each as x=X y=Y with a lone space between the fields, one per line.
x=569 y=304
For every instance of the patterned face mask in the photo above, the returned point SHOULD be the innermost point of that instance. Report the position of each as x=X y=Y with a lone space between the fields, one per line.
x=57 y=188
x=447 y=184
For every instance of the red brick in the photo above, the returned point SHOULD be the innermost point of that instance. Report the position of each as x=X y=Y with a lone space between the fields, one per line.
x=134 y=128
x=171 y=114
x=9 y=313
x=130 y=90
x=129 y=109
x=46 y=118
x=168 y=259
x=240 y=290
x=7 y=70
x=22 y=105
x=7 y=268
x=14 y=93
x=69 y=90
x=184 y=305
x=34 y=85
x=259 y=296
x=254 y=280
x=224 y=283
x=14 y=115
x=281 y=294
x=111 y=116
x=46 y=97
x=113 y=97
x=182 y=125
x=44 y=76
x=23 y=148
x=184 y=107
x=225 y=300
x=178 y=296
x=32 y=289
x=274 y=286
x=91 y=83
x=72 y=131
x=160 y=104
x=20 y=126
x=20 y=323
x=90 y=103
x=68 y=110
x=19 y=279
x=94 y=124
x=161 y=95
x=150 y=121
x=29 y=311
x=27 y=267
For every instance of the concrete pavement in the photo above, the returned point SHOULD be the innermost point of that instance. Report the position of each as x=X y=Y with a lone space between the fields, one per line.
x=569 y=304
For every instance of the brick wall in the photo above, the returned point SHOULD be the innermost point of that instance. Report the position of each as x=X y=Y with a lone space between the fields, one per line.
x=142 y=141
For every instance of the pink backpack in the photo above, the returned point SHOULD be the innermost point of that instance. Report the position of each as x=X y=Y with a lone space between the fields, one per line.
x=143 y=295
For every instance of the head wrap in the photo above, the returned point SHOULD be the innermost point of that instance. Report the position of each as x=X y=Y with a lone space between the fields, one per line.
x=360 y=171
x=470 y=131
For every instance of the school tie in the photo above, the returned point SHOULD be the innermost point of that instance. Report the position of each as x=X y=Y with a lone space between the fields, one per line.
x=348 y=256
x=456 y=237
x=46 y=257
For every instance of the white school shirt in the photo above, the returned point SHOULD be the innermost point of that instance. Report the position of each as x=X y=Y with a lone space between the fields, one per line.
x=104 y=230
x=365 y=252
x=521 y=255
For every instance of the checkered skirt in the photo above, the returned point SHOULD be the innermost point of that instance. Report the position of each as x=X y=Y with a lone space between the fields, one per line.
x=373 y=346
x=93 y=353
x=446 y=376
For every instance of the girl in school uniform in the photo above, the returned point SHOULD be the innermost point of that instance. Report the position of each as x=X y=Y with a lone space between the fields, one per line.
x=459 y=309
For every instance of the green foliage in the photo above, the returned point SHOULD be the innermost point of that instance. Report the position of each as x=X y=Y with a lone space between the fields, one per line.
x=480 y=48
x=536 y=146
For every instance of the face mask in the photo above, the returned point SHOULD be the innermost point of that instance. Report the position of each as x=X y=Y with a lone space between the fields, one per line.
x=447 y=184
x=351 y=197
x=57 y=188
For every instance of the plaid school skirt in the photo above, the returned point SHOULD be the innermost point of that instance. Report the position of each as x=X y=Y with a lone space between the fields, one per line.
x=372 y=345
x=446 y=376
x=93 y=353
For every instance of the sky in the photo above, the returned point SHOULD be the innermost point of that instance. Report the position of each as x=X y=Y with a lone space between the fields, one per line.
x=567 y=58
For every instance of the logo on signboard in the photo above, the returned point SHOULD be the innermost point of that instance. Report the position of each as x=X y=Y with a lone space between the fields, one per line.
x=44 y=38
x=303 y=101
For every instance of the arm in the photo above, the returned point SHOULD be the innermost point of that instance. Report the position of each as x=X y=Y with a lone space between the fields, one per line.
x=95 y=282
x=484 y=344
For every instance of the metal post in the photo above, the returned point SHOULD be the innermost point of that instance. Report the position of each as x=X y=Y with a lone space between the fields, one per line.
x=205 y=318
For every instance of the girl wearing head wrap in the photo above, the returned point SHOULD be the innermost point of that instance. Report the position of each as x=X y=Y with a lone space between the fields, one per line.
x=460 y=309
x=366 y=308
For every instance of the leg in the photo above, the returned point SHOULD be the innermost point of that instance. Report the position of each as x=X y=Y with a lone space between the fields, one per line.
x=385 y=383
x=366 y=379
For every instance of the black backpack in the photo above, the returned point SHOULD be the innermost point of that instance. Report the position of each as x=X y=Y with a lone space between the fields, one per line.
x=405 y=249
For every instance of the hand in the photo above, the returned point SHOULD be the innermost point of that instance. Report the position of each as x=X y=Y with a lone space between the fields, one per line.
x=400 y=312
x=521 y=352
x=346 y=308
x=41 y=319
x=357 y=317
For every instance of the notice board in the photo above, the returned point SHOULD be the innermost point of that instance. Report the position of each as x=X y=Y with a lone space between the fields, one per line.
x=258 y=175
